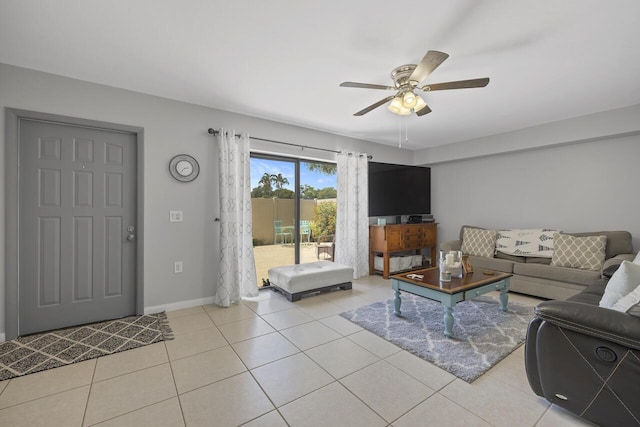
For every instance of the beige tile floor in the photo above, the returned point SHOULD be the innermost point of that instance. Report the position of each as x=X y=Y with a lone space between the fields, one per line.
x=269 y=362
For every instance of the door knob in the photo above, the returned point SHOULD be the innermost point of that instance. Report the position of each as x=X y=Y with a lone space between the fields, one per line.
x=131 y=236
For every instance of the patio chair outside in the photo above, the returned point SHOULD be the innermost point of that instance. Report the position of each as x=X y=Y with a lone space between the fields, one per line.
x=305 y=230
x=282 y=232
x=325 y=245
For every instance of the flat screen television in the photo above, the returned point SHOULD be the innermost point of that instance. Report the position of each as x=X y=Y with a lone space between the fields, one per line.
x=399 y=190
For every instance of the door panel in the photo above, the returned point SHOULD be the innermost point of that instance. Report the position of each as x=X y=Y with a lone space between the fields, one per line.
x=77 y=190
x=83 y=259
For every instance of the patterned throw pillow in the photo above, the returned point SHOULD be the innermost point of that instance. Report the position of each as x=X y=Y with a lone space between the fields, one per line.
x=478 y=242
x=534 y=242
x=586 y=253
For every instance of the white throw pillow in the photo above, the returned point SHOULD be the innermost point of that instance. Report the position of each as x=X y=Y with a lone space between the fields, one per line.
x=624 y=280
x=626 y=302
x=636 y=260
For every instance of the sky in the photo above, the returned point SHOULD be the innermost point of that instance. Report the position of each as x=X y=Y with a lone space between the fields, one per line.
x=315 y=179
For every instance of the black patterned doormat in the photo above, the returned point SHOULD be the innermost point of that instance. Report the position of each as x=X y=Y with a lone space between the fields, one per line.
x=39 y=352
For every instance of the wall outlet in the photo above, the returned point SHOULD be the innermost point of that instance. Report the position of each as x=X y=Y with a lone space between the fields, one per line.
x=175 y=216
x=177 y=267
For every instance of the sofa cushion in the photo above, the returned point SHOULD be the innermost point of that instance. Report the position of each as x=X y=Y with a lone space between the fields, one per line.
x=512 y=258
x=618 y=242
x=495 y=264
x=623 y=281
x=526 y=242
x=585 y=253
x=478 y=242
x=545 y=288
x=560 y=274
x=537 y=260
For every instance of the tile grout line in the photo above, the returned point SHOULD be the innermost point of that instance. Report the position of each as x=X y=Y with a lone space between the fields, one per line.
x=132 y=411
x=86 y=405
x=380 y=415
x=6 y=386
x=44 y=397
x=121 y=375
x=336 y=380
x=253 y=377
x=542 y=415
x=466 y=409
x=175 y=386
x=277 y=408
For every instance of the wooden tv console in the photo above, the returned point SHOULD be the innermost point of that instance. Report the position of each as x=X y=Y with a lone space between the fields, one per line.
x=393 y=238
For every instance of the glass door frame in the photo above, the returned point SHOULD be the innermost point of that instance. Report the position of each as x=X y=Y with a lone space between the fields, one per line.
x=296 y=203
x=296 y=161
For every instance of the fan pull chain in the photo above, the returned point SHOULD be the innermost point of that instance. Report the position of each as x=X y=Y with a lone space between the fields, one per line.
x=406 y=130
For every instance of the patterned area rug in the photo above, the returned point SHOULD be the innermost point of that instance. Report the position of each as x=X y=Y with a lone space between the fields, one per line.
x=482 y=334
x=47 y=350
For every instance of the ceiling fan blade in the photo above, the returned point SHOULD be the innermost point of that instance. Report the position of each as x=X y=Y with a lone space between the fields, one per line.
x=424 y=110
x=430 y=62
x=366 y=86
x=373 y=106
x=460 y=84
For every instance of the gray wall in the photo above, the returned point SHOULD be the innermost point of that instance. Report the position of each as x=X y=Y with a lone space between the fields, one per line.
x=586 y=186
x=170 y=128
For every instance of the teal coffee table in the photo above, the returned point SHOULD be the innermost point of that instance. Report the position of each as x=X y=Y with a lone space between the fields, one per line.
x=450 y=293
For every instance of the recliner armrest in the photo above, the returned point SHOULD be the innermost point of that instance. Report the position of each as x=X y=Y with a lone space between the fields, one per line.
x=604 y=323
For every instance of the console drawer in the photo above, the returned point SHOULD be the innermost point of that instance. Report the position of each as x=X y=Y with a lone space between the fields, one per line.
x=413 y=240
x=498 y=286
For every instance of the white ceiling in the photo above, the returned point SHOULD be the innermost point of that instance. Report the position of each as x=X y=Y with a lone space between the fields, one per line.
x=284 y=59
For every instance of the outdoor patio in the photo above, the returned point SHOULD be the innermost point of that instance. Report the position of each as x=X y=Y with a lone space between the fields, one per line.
x=268 y=256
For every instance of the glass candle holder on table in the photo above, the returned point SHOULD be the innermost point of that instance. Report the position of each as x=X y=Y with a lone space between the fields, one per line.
x=450 y=265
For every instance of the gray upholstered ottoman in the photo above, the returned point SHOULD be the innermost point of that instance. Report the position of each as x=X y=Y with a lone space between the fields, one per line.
x=300 y=279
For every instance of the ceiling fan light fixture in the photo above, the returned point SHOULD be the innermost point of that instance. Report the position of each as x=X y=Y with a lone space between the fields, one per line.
x=396 y=105
x=409 y=100
x=420 y=104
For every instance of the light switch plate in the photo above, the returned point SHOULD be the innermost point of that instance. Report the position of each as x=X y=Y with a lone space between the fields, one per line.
x=177 y=267
x=175 y=216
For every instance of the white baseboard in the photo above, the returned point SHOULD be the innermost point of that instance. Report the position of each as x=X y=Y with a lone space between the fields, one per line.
x=178 y=305
x=2 y=337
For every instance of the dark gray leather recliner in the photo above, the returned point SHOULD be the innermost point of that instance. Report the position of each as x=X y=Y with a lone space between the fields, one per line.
x=586 y=359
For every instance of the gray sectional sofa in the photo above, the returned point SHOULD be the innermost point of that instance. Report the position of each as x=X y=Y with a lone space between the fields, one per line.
x=535 y=276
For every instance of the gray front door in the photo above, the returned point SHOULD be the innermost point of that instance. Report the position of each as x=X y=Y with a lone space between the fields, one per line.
x=77 y=247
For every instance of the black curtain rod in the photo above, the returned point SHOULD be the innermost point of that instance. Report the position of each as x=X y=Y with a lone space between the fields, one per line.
x=213 y=131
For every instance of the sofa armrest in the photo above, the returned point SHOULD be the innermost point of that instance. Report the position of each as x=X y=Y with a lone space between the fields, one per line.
x=603 y=323
x=617 y=260
x=452 y=245
x=611 y=265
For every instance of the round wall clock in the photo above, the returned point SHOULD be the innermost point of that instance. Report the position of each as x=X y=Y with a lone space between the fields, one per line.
x=184 y=168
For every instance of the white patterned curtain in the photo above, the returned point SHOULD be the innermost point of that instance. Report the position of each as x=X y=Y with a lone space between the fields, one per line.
x=352 y=220
x=237 y=266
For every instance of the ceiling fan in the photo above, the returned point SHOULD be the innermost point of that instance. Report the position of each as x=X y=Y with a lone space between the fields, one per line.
x=406 y=79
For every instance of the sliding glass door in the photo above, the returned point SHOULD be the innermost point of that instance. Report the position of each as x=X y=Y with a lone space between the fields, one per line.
x=293 y=204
